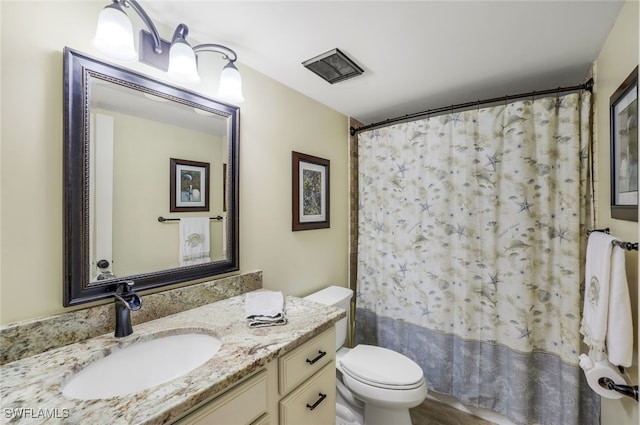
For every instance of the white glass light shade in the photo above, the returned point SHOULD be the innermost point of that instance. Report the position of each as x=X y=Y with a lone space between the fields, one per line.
x=230 y=87
x=114 y=35
x=182 y=63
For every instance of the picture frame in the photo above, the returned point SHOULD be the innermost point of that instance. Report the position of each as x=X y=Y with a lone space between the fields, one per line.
x=188 y=185
x=623 y=120
x=310 y=192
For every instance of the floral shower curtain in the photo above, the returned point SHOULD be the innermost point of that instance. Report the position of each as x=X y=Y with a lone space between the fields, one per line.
x=471 y=252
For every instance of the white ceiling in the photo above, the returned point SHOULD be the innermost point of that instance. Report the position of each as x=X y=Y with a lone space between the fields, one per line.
x=417 y=55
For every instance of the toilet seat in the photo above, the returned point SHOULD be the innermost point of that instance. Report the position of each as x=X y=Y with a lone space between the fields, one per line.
x=382 y=368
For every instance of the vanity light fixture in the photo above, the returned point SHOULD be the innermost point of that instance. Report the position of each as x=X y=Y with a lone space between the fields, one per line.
x=114 y=38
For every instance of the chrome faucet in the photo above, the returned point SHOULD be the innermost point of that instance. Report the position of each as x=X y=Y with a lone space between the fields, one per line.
x=126 y=300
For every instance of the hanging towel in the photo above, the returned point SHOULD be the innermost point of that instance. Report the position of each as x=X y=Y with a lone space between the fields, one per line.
x=620 y=323
x=224 y=236
x=606 y=321
x=194 y=241
x=265 y=308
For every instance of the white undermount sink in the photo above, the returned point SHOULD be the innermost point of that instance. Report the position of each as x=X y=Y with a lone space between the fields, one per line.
x=141 y=365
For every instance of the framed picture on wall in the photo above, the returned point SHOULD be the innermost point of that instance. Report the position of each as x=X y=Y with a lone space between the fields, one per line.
x=310 y=190
x=623 y=108
x=188 y=185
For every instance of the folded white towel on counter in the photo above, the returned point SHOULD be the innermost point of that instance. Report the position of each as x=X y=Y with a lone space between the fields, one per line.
x=265 y=308
x=606 y=322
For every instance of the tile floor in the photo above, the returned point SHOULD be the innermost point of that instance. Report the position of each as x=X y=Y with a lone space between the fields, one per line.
x=433 y=413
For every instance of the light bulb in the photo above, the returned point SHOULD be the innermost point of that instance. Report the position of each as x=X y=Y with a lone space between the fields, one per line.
x=230 y=87
x=114 y=35
x=182 y=63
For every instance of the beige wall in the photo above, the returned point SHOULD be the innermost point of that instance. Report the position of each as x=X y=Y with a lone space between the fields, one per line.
x=275 y=120
x=142 y=151
x=618 y=57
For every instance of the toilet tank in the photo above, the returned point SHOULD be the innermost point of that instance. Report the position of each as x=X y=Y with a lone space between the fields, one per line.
x=336 y=296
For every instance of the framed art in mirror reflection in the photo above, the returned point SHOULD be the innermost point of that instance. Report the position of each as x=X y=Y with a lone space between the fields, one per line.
x=188 y=185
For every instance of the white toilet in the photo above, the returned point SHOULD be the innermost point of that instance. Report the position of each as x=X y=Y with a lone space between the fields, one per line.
x=378 y=383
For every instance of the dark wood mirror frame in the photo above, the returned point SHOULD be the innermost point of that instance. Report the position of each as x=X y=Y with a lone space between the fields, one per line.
x=79 y=69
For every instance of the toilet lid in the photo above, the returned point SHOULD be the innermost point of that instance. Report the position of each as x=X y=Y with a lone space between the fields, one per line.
x=381 y=366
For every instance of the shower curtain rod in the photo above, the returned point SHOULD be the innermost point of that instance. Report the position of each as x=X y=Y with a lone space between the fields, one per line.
x=585 y=86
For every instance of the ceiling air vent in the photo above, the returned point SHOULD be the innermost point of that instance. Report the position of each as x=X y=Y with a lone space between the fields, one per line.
x=333 y=66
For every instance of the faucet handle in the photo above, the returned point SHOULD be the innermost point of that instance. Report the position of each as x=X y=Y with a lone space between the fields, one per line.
x=126 y=295
x=124 y=287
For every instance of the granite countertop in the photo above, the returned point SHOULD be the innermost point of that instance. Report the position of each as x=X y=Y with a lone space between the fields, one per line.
x=31 y=386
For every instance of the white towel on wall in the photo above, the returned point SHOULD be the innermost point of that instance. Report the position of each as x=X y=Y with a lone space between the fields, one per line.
x=224 y=236
x=264 y=308
x=195 y=245
x=606 y=321
x=620 y=322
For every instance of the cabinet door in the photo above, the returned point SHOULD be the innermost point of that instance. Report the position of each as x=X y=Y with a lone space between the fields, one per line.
x=313 y=402
x=238 y=406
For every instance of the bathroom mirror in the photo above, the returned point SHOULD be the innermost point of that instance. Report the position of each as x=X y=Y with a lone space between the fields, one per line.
x=139 y=156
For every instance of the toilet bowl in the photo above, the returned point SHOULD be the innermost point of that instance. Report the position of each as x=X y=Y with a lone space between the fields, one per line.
x=380 y=383
x=344 y=416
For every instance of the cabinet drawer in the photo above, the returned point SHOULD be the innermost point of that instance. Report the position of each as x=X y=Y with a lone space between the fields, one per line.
x=263 y=420
x=239 y=405
x=313 y=403
x=298 y=365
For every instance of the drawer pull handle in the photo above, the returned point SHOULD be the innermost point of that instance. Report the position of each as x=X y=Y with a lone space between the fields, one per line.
x=320 y=400
x=318 y=357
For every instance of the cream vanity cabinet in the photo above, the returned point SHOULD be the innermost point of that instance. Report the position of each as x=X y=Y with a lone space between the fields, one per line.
x=298 y=388
x=244 y=403
x=307 y=382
